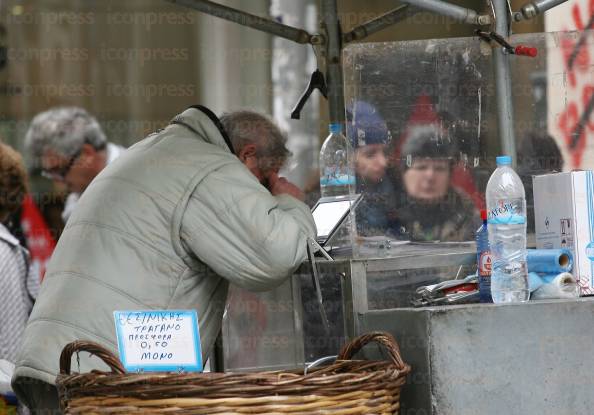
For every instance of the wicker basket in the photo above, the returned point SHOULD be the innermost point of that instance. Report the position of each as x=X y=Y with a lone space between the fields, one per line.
x=344 y=387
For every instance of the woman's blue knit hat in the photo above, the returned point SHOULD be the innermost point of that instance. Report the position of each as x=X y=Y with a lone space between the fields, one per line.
x=365 y=125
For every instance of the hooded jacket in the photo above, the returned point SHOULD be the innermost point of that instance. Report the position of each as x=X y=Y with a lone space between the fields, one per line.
x=165 y=226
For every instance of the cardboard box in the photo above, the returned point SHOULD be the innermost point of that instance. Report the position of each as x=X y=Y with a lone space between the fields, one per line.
x=564 y=218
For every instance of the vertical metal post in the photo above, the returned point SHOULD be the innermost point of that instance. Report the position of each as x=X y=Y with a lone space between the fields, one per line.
x=501 y=58
x=329 y=14
x=354 y=297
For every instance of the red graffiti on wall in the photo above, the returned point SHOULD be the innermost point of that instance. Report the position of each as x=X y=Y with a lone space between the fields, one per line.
x=577 y=61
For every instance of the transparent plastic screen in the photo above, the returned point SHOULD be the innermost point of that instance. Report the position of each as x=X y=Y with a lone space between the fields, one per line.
x=422 y=120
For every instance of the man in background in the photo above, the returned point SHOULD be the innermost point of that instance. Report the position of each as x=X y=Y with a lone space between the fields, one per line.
x=370 y=140
x=71 y=148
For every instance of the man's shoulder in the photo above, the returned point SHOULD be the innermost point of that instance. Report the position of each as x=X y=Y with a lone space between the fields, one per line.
x=114 y=151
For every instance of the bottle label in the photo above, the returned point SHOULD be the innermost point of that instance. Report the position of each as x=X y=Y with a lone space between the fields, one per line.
x=507 y=212
x=337 y=176
x=484 y=264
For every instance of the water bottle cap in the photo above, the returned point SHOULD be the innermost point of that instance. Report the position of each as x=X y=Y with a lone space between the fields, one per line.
x=483 y=214
x=503 y=160
x=335 y=128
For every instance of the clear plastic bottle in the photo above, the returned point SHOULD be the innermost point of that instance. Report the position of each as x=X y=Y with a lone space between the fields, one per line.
x=506 y=206
x=336 y=164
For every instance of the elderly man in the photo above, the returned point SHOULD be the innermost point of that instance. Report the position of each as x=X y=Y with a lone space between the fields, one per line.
x=71 y=147
x=168 y=225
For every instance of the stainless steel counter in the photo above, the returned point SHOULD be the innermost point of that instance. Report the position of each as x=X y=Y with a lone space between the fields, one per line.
x=283 y=328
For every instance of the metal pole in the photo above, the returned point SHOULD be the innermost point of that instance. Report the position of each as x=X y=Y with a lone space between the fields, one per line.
x=247 y=19
x=446 y=9
x=535 y=8
x=380 y=23
x=503 y=86
x=329 y=15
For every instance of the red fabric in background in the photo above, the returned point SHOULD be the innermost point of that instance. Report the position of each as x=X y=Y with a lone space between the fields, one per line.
x=39 y=238
x=463 y=182
x=422 y=113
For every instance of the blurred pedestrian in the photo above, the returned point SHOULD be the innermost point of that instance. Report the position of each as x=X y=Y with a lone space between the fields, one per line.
x=429 y=208
x=18 y=286
x=369 y=137
x=71 y=148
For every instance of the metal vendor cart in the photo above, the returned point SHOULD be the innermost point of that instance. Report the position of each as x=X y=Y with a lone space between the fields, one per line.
x=473 y=358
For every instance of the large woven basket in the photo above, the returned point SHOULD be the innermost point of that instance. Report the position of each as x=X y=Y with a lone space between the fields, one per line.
x=344 y=387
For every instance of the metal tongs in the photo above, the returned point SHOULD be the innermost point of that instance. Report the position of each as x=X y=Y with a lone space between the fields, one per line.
x=448 y=292
x=312 y=248
x=500 y=40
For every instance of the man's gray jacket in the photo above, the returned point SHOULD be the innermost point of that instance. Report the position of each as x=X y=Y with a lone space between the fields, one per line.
x=166 y=226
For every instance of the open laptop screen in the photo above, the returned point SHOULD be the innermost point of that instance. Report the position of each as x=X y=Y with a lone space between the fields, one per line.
x=329 y=213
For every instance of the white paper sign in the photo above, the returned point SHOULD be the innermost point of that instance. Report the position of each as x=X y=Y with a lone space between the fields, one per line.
x=159 y=341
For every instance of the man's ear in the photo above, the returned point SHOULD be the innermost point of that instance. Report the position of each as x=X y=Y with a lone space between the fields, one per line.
x=88 y=150
x=249 y=150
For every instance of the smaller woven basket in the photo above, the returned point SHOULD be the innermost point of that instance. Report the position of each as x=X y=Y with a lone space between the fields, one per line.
x=344 y=387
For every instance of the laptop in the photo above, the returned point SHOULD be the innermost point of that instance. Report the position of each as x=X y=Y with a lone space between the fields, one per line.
x=330 y=212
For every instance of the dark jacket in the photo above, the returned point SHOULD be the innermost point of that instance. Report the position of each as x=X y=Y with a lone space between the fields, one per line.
x=452 y=219
x=376 y=214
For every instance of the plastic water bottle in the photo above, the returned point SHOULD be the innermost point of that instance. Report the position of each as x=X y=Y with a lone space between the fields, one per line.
x=506 y=208
x=336 y=164
x=483 y=260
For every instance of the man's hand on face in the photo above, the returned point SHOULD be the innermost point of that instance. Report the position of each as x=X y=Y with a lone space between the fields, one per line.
x=279 y=185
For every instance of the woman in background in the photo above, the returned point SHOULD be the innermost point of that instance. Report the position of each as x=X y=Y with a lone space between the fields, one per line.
x=429 y=208
x=17 y=287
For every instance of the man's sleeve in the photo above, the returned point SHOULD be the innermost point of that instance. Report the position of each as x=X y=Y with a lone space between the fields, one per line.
x=235 y=226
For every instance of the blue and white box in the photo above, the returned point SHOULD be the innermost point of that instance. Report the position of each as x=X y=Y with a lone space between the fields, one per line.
x=564 y=218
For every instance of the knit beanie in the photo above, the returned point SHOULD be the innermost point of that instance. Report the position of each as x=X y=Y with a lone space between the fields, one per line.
x=427 y=141
x=365 y=125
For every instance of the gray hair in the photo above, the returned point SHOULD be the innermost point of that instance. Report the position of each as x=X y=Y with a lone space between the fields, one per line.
x=63 y=130
x=249 y=127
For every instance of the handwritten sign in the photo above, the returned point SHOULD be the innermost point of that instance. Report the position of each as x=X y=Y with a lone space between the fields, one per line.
x=159 y=341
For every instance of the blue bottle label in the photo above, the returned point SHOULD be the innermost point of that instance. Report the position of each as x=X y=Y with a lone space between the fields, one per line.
x=507 y=212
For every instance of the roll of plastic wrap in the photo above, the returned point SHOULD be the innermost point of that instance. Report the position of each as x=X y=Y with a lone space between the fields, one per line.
x=562 y=286
x=549 y=261
x=535 y=281
x=548 y=278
